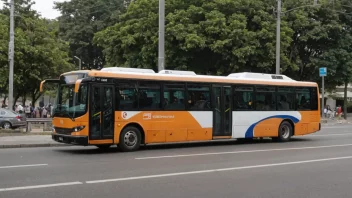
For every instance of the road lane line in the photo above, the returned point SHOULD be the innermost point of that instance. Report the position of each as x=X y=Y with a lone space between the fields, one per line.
x=22 y=166
x=238 y=152
x=332 y=134
x=216 y=170
x=40 y=186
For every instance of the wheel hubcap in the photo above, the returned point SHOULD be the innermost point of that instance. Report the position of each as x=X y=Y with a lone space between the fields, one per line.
x=6 y=125
x=130 y=138
x=285 y=131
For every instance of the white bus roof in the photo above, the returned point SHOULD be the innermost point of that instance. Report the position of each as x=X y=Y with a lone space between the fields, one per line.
x=176 y=75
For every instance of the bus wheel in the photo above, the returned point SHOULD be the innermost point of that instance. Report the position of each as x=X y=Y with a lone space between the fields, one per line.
x=130 y=139
x=104 y=146
x=285 y=132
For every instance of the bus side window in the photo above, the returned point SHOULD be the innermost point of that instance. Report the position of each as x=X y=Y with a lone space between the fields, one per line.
x=149 y=95
x=314 y=98
x=127 y=94
x=265 y=98
x=243 y=97
x=198 y=97
x=285 y=99
x=174 y=96
x=303 y=98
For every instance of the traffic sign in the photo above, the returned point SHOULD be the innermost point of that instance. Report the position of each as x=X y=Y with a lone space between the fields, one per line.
x=323 y=71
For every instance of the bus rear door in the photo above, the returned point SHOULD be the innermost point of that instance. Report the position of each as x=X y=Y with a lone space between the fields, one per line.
x=222 y=116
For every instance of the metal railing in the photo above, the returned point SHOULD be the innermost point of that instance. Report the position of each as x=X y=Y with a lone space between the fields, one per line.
x=31 y=121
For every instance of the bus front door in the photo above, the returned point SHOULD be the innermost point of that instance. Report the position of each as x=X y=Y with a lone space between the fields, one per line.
x=222 y=112
x=102 y=112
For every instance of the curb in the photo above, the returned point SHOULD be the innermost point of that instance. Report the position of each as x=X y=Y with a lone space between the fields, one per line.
x=32 y=145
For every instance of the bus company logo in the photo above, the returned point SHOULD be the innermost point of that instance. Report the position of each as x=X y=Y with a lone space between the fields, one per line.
x=163 y=116
x=61 y=122
x=124 y=115
x=147 y=116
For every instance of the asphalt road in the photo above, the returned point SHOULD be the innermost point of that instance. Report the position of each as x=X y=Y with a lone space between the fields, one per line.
x=319 y=165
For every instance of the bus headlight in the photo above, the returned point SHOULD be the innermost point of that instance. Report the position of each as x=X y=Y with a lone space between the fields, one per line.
x=79 y=128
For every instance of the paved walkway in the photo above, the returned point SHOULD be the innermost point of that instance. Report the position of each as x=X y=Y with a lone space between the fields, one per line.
x=28 y=141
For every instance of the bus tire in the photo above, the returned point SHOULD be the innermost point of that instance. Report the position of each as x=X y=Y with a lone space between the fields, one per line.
x=285 y=132
x=130 y=139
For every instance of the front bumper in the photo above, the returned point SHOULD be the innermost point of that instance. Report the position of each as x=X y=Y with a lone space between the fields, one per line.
x=69 y=139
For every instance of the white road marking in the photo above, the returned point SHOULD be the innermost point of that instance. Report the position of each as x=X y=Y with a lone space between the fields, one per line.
x=40 y=186
x=238 y=152
x=333 y=134
x=22 y=166
x=215 y=170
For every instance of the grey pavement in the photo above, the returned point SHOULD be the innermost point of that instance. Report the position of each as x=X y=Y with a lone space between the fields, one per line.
x=313 y=166
x=27 y=141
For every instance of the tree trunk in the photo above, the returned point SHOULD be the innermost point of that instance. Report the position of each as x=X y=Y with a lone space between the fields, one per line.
x=24 y=98
x=35 y=96
x=345 y=101
x=33 y=100
x=15 y=101
x=5 y=98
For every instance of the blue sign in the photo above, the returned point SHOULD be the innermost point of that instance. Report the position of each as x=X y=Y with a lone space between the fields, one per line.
x=323 y=71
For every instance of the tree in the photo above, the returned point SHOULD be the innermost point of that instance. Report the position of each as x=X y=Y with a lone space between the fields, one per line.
x=217 y=37
x=316 y=30
x=338 y=58
x=81 y=19
x=39 y=53
x=4 y=37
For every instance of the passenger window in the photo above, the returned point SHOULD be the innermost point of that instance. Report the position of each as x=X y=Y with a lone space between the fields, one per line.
x=149 y=95
x=243 y=98
x=127 y=96
x=285 y=98
x=303 y=101
x=174 y=97
x=265 y=99
x=198 y=97
x=314 y=98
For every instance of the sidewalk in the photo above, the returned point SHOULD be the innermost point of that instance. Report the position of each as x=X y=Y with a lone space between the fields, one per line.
x=332 y=121
x=28 y=141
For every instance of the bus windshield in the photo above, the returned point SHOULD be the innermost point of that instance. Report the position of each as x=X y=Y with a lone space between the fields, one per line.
x=69 y=104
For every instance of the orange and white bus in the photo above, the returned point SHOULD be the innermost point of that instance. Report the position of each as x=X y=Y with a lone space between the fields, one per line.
x=131 y=107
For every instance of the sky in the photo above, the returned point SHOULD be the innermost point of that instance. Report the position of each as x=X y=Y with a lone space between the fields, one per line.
x=45 y=8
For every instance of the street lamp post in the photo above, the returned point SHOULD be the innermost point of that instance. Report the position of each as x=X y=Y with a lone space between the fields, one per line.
x=80 y=62
x=161 y=53
x=278 y=36
x=11 y=53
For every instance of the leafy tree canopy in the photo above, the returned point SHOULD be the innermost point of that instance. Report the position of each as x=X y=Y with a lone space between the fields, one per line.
x=80 y=20
x=39 y=53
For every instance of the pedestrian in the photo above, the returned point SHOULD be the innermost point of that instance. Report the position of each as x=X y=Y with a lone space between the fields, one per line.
x=325 y=111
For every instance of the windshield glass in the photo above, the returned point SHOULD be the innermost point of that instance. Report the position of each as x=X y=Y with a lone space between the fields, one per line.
x=66 y=106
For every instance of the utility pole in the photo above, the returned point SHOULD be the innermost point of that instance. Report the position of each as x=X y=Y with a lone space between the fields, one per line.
x=11 y=53
x=161 y=54
x=278 y=36
x=79 y=63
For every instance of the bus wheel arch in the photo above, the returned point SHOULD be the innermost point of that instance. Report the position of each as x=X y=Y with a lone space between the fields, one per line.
x=285 y=131
x=136 y=131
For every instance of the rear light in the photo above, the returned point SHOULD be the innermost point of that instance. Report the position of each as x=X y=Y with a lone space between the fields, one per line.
x=18 y=118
